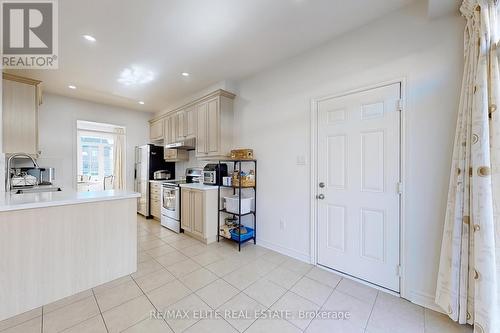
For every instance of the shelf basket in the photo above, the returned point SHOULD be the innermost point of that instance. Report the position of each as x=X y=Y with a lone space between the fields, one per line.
x=246 y=181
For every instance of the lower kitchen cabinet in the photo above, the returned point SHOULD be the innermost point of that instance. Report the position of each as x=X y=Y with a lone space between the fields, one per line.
x=199 y=213
x=154 y=196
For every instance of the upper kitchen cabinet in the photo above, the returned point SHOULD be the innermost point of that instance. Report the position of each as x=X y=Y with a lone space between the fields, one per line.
x=190 y=122
x=214 y=115
x=182 y=125
x=171 y=132
x=156 y=130
x=209 y=119
x=185 y=124
x=21 y=98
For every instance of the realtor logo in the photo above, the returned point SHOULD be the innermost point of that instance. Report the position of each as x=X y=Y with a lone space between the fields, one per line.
x=29 y=38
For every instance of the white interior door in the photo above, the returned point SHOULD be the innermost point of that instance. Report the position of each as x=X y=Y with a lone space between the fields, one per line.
x=358 y=179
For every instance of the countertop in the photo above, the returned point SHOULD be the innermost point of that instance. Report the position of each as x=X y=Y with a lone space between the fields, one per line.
x=10 y=202
x=159 y=180
x=199 y=186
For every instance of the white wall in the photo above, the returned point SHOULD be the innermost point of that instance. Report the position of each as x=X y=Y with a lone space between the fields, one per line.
x=273 y=118
x=57 y=133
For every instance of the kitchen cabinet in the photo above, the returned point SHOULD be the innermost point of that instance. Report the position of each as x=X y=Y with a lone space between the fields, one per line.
x=208 y=128
x=199 y=213
x=155 y=202
x=201 y=129
x=190 y=122
x=192 y=211
x=20 y=100
x=185 y=124
x=180 y=125
x=171 y=129
x=156 y=130
x=214 y=136
x=209 y=119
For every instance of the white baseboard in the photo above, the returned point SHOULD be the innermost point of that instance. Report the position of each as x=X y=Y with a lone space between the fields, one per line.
x=285 y=250
x=424 y=299
x=420 y=298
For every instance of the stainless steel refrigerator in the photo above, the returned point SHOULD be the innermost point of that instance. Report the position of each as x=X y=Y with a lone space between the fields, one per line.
x=148 y=159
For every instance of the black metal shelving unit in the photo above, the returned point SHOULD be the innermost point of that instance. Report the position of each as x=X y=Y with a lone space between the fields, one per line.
x=238 y=163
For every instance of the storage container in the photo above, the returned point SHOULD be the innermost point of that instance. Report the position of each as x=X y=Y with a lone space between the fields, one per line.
x=244 y=237
x=242 y=154
x=247 y=179
x=231 y=204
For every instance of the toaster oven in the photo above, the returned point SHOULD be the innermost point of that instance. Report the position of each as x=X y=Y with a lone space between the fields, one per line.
x=213 y=174
x=161 y=175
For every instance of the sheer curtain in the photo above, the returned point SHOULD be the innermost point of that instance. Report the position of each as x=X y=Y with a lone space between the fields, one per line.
x=119 y=159
x=468 y=281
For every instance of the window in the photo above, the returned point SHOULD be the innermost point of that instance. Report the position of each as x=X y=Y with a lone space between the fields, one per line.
x=95 y=156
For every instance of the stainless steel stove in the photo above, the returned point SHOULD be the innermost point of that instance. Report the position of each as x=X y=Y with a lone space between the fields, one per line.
x=171 y=199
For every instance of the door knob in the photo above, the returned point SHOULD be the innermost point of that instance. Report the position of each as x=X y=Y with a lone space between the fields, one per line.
x=320 y=196
x=321 y=185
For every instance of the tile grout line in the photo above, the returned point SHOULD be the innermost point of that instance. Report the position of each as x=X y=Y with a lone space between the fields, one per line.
x=149 y=300
x=371 y=312
x=191 y=293
x=252 y=257
x=239 y=292
x=286 y=291
x=425 y=320
x=100 y=312
x=326 y=299
x=290 y=290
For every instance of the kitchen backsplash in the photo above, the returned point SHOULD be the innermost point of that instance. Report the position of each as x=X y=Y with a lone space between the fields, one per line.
x=180 y=167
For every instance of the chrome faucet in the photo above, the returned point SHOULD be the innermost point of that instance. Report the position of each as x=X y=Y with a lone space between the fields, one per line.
x=9 y=161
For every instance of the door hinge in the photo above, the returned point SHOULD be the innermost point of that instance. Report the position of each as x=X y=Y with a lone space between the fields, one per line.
x=399 y=105
x=400 y=187
x=398 y=270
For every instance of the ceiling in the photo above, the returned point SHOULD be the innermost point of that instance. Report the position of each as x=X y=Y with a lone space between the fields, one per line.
x=212 y=40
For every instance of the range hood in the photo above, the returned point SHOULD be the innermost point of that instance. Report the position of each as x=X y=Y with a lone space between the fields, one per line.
x=187 y=144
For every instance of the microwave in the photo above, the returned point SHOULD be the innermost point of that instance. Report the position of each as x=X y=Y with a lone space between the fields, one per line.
x=213 y=174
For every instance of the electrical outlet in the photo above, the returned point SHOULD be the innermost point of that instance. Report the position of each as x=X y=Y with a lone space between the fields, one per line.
x=282 y=225
x=301 y=160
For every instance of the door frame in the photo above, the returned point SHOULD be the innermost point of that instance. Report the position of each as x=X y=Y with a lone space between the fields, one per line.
x=314 y=176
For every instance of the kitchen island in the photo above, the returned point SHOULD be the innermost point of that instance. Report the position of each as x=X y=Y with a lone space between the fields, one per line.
x=56 y=244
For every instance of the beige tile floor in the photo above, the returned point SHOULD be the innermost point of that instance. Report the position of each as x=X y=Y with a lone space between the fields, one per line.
x=178 y=273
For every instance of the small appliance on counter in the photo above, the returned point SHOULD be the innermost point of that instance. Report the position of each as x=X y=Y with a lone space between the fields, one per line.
x=214 y=173
x=161 y=175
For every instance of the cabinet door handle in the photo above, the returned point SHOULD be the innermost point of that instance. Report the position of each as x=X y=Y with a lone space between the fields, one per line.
x=320 y=196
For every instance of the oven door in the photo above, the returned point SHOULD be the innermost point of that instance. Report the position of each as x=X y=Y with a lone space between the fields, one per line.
x=170 y=202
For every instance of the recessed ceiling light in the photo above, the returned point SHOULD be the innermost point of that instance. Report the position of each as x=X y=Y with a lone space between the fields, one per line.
x=141 y=102
x=89 y=38
x=186 y=74
x=72 y=87
x=135 y=75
